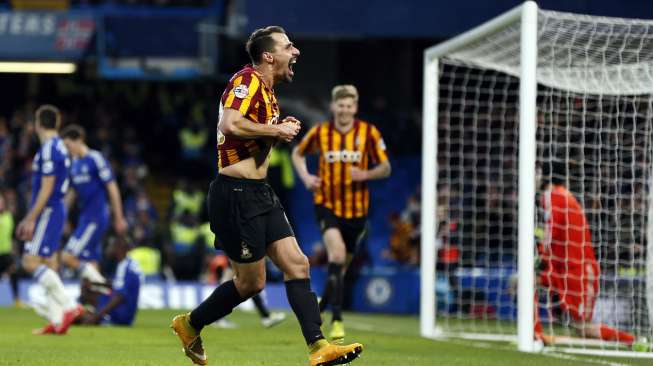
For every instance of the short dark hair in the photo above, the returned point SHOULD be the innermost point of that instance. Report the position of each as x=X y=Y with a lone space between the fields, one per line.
x=556 y=172
x=73 y=132
x=261 y=41
x=48 y=117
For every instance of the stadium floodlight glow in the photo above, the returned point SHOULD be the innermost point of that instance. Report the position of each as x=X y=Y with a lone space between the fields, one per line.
x=38 y=67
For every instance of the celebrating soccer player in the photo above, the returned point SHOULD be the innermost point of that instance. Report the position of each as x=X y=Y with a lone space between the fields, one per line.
x=92 y=181
x=245 y=214
x=346 y=146
x=568 y=265
x=43 y=225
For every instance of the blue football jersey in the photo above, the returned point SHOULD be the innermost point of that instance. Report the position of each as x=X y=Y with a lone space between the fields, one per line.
x=127 y=282
x=51 y=160
x=89 y=175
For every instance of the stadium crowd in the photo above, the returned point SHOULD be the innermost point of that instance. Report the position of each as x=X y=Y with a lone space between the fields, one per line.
x=477 y=208
x=120 y=135
x=163 y=172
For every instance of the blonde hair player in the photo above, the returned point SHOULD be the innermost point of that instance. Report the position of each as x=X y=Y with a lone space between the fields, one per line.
x=351 y=153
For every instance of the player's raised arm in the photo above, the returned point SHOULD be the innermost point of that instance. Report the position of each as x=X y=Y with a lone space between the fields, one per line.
x=233 y=123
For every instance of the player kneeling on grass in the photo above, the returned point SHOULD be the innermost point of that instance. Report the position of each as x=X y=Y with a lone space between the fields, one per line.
x=568 y=265
x=119 y=306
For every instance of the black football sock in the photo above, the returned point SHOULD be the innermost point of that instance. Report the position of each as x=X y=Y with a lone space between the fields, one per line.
x=336 y=277
x=260 y=306
x=326 y=295
x=13 y=279
x=304 y=304
x=330 y=285
x=218 y=305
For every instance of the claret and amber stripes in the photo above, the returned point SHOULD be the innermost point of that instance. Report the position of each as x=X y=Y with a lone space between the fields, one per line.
x=339 y=152
x=248 y=94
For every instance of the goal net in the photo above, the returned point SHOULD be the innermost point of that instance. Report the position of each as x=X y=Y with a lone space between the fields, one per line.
x=490 y=146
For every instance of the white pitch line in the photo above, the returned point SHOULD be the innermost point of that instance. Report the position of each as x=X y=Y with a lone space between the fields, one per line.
x=371 y=328
x=581 y=359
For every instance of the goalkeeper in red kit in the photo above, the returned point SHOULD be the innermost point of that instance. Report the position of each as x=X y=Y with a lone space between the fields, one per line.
x=568 y=265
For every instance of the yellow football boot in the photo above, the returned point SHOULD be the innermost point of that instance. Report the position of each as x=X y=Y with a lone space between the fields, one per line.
x=333 y=354
x=190 y=339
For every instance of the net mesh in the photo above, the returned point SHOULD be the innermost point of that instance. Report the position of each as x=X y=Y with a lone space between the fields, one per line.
x=594 y=118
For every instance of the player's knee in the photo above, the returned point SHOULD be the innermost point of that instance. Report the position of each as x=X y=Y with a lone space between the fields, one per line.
x=300 y=267
x=67 y=258
x=248 y=287
x=337 y=257
x=258 y=287
x=30 y=263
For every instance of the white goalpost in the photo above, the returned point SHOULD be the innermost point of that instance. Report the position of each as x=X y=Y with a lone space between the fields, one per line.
x=528 y=90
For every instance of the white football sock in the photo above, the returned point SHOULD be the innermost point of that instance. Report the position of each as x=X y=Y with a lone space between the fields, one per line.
x=54 y=310
x=54 y=287
x=89 y=272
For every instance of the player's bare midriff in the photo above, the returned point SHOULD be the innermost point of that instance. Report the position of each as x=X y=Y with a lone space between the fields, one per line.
x=247 y=169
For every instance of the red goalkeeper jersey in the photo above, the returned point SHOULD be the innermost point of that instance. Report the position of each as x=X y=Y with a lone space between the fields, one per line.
x=572 y=270
x=567 y=246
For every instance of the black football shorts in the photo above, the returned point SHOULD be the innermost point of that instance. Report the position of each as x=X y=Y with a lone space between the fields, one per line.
x=245 y=216
x=353 y=230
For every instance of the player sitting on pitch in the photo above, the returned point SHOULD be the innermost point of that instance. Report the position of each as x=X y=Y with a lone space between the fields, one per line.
x=119 y=306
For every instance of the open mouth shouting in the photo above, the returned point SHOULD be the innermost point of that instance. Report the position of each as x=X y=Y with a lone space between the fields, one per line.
x=291 y=65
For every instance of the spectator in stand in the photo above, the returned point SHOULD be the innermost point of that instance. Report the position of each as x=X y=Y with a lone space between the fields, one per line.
x=131 y=183
x=6 y=153
x=400 y=248
x=404 y=238
x=193 y=138
x=186 y=197
x=8 y=253
x=139 y=205
x=148 y=259
x=185 y=253
x=280 y=174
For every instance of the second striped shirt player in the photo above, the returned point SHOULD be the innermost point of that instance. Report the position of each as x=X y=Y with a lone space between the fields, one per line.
x=347 y=147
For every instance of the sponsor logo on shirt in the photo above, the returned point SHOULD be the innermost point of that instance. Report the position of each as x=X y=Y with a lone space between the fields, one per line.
x=241 y=91
x=343 y=156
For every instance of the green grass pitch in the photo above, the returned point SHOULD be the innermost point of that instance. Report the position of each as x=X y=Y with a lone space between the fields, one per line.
x=388 y=340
